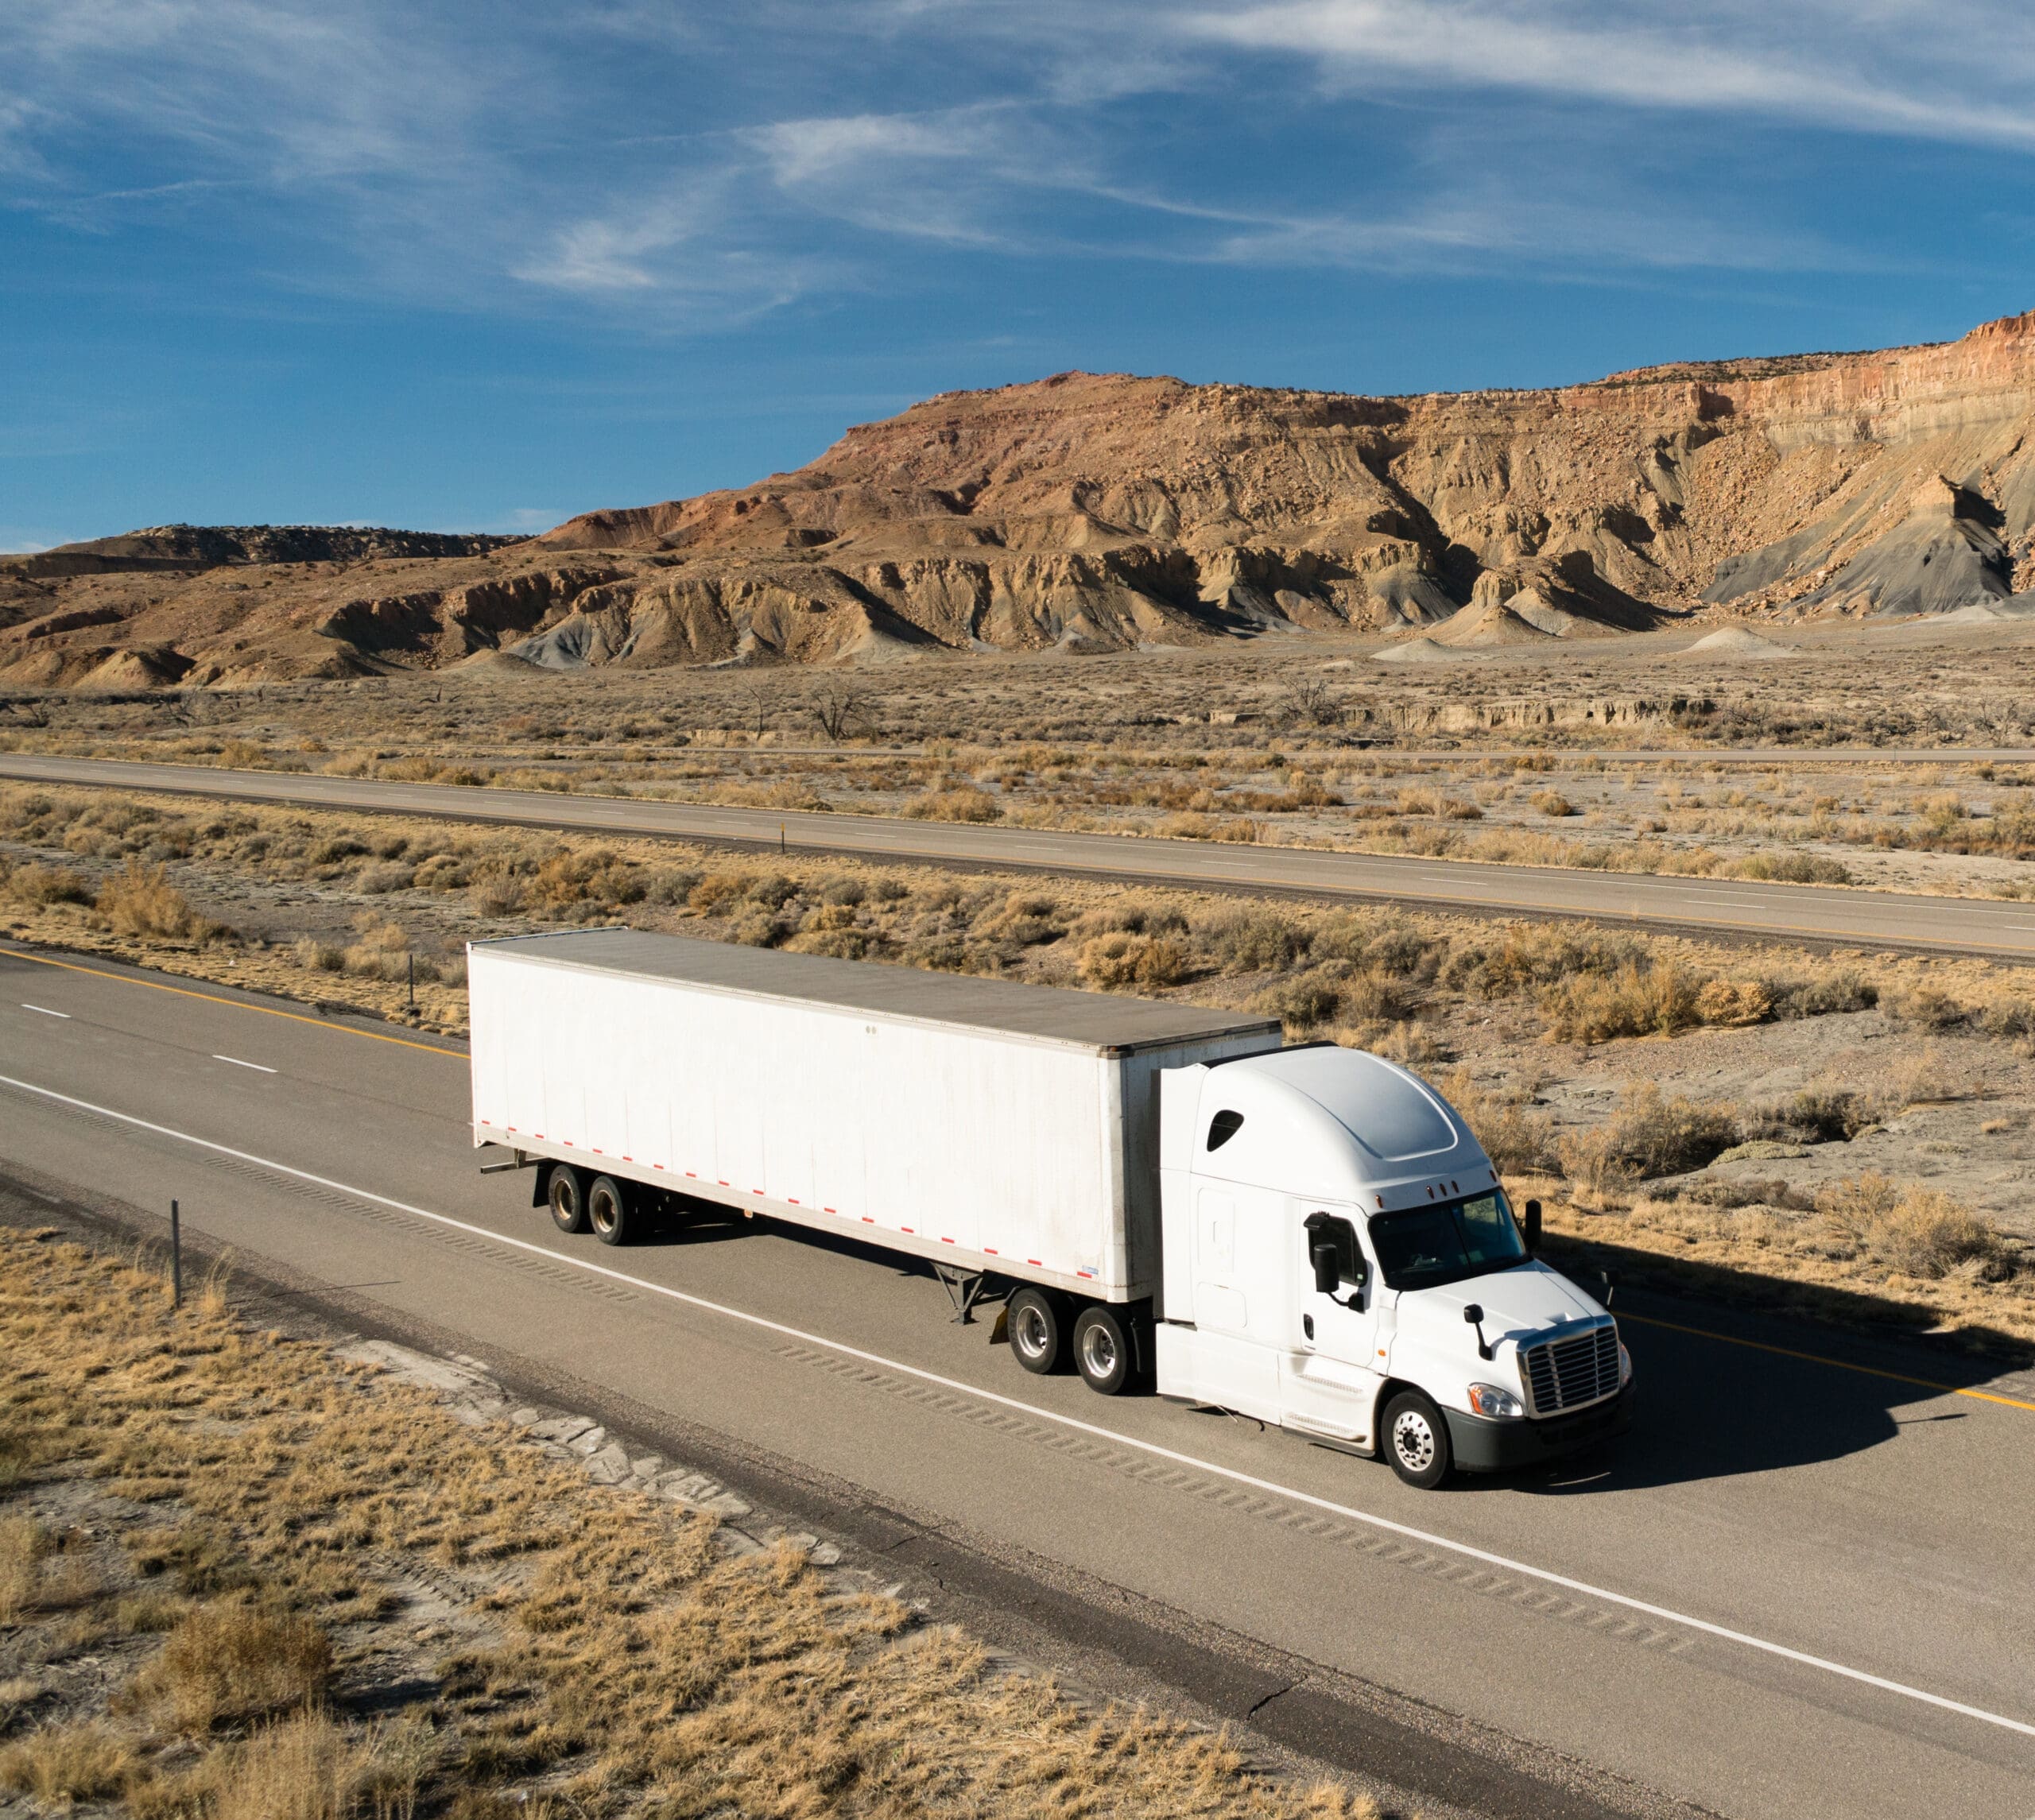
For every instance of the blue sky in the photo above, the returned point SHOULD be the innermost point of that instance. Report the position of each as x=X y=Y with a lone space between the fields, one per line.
x=484 y=265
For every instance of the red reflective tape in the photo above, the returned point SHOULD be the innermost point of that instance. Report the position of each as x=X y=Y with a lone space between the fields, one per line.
x=944 y=1240
x=1035 y=1263
x=828 y=1210
x=866 y=1220
x=989 y=1251
x=791 y=1200
x=906 y=1229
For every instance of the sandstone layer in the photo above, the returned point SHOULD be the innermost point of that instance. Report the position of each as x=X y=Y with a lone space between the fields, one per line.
x=1104 y=512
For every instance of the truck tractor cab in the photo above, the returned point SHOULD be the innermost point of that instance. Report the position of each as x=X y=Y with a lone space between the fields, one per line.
x=1340 y=1258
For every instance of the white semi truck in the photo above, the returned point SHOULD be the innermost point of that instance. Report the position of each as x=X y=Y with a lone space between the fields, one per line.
x=1157 y=1192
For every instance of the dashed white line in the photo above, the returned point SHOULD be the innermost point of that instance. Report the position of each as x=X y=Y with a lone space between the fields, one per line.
x=236 y=1061
x=45 y=1011
x=1801 y=1657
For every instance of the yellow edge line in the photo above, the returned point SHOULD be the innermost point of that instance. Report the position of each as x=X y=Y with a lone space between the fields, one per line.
x=1835 y=1364
x=236 y=1004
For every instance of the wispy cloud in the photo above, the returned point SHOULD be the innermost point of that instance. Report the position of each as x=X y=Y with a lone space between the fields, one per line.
x=1895 y=68
x=690 y=168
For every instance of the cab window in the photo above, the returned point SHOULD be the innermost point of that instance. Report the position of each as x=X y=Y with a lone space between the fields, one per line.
x=1425 y=1246
x=1223 y=1127
x=1328 y=1228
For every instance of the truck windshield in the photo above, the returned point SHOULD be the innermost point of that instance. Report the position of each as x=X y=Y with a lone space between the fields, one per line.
x=1426 y=1246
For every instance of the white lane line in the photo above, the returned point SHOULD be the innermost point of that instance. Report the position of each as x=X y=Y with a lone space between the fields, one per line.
x=1546 y=1576
x=45 y=1011
x=237 y=1062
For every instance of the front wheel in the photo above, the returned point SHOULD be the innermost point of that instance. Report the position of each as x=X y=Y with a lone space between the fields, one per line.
x=1417 y=1440
x=567 y=1200
x=1103 y=1351
x=608 y=1211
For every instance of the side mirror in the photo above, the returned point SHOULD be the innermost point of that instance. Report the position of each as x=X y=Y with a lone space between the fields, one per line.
x=1533 y=1227
x=1473 y=1316
x=1327 y=1277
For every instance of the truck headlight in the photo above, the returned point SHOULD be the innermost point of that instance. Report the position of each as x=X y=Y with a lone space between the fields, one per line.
x=1624 y=1366
x=1488 y=1400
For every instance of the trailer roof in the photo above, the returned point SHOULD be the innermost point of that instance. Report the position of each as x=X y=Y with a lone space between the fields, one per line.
x=1093 y=1019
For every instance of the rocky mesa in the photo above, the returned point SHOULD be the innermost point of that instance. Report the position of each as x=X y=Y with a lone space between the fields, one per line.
x=1096 y=513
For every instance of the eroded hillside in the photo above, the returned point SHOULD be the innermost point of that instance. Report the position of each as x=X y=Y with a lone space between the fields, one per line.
x=1101 y=513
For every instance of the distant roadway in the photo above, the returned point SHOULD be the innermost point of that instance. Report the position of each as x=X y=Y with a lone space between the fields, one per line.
x=1798 y=1591
x=1815 y=913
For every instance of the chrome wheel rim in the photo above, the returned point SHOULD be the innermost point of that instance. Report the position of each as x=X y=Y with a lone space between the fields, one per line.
x=604 y=1214
x=1028 y=1330
x=1414 y=1440
x=1099 y=1352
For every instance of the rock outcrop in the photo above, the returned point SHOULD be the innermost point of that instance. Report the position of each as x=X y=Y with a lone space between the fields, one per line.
x=1103 y=511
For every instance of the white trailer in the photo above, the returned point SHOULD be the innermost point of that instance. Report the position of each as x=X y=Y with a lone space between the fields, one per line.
x=1158 y=1191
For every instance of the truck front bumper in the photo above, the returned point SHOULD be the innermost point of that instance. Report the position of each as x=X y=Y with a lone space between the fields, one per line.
x=1484 y=1445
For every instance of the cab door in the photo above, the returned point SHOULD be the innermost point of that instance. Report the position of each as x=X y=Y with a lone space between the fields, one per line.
x=1334 y=1366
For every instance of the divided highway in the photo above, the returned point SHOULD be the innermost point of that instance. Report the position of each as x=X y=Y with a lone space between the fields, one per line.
x=1868 y=919
x=1800 y=1591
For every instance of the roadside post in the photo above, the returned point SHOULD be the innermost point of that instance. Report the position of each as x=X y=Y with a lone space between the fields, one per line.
x=176 y=1258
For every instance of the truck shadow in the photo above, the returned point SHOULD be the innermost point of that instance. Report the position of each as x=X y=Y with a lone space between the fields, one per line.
x=1737 y=1372
x=1753 y=1374
x=707 y=1222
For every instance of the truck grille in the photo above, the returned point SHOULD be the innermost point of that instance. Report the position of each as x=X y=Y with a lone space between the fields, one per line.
x=1564 y=1374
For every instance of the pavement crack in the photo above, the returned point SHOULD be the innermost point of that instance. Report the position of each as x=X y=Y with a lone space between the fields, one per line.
x=1258 y=1705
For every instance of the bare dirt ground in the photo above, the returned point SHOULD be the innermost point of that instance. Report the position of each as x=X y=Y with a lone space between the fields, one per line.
x=1856 y=1123
x=246 y=1575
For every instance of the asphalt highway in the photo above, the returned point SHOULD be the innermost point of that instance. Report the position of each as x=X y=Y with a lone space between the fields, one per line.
x=1819 y=913
x=1800 y=1590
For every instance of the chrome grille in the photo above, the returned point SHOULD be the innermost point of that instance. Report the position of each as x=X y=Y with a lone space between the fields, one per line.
x=1564 y=1374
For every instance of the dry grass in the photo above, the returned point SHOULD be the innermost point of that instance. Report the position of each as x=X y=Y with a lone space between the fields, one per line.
x=141 y=901
x=1914 y=1231
x=60 y=1764
x=1885 y=1251
x=232 y=1663
x=605 y=1655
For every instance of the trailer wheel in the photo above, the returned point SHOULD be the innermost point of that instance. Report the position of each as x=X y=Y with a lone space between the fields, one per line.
x=567 y=1200
x=1103 y=1352
x=608 y=1212
x=1038 y=1330
x=1417 y=1440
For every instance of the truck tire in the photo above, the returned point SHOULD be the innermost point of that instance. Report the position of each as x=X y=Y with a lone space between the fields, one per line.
x=1415 y=1439
x=1037 y=1321
x=566 y=1198
x=608 y=1211
x=1104 y=1353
